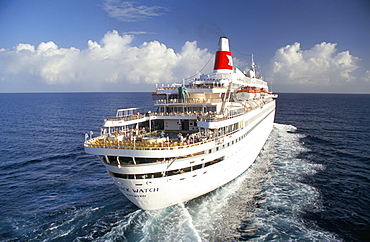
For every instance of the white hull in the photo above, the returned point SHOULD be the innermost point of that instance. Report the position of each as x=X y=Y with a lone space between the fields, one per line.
x=157 y=193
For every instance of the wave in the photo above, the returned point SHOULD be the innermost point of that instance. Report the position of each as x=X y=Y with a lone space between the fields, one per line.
x=267 y=202
x=287 y=198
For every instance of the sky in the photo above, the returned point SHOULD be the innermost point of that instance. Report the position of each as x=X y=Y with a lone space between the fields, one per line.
x=302 y=46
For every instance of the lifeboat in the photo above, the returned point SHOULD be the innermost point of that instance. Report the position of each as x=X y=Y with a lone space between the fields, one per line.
x=246 y=93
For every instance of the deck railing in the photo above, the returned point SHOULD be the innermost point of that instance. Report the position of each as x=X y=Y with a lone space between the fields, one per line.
x=189 y=100
x=139 y=145
x=172 y=144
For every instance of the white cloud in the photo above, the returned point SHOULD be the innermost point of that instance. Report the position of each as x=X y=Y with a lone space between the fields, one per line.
x=111 y=61
x=319 y=66
x=115 y=64
x=126 y=11
x=367 y=76
x=26 y=47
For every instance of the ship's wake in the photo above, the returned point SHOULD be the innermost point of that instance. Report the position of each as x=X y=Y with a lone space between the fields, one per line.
x=286 y=196
x=267 y=202
x=264 y=203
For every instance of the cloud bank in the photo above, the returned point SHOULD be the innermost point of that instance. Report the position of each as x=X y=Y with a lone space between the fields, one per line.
x=319 y=66
x=112 y=60
x=115 y=64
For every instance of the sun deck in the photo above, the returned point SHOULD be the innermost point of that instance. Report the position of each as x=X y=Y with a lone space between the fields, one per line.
x=152 y=142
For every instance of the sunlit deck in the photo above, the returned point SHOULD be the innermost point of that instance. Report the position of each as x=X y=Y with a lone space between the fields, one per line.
x=148 y=143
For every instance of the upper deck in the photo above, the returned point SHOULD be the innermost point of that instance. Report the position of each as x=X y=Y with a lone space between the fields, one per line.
x=134 y=139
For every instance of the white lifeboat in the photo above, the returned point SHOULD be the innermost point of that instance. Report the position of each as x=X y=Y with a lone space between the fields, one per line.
x=245 y=93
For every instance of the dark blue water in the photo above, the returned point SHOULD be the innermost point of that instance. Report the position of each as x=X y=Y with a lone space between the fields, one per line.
x=310 y=183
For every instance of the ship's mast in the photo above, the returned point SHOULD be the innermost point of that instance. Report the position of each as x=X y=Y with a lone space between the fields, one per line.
x=253 y=65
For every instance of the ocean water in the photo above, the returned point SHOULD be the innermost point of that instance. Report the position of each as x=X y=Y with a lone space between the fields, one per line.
x=311 y=181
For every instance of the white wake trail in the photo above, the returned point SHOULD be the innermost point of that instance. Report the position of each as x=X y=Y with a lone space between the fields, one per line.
x=190 y=222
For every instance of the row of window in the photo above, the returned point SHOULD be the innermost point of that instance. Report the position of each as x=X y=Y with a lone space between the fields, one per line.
x=120 y=160
x=166 y=173
x=225 y=145
x=185 y=109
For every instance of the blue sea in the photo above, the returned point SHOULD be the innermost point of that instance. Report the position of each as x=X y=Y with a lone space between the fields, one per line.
x=311 y=182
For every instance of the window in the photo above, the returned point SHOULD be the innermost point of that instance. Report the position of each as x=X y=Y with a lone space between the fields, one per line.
x=168 y=173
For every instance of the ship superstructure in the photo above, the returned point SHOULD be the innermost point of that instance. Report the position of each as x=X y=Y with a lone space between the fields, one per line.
x=198 y=136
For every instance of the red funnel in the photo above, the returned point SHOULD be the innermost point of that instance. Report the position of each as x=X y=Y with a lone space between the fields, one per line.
x=223 y=59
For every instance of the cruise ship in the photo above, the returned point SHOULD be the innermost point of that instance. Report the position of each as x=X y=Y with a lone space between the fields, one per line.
x=199 y=135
